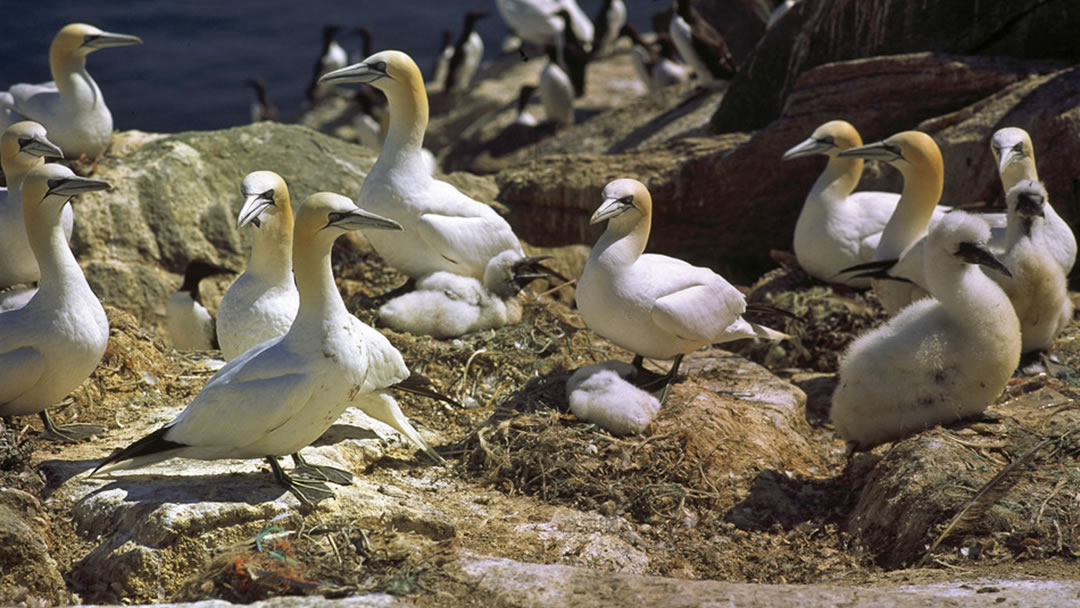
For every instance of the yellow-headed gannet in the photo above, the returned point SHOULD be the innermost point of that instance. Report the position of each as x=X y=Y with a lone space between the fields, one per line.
x=445 y=230
x=940 y=359
x=331 y=57
x=556 y=91
x=189 y=324
x=654 y=305
x=1037 y=284
x=53 y=343
x=537 y=22
x=1015 y=155
x=608 y=25
x=262 y=302
x=71 y=107
x=23 y=146
x=283 y=394
x=442 y=61
x=262 y=108
x=468 y=53
x=600 y=394
x=700 y=45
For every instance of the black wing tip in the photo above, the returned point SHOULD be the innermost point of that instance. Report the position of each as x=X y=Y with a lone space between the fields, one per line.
x=153 y=443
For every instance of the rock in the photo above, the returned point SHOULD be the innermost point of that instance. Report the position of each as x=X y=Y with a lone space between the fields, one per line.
x=815 y=33
x=27 y=571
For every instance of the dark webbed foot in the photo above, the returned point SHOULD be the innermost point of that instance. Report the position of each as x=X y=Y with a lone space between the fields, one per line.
x=68 y=433
x=313 y=472
x=308 y=492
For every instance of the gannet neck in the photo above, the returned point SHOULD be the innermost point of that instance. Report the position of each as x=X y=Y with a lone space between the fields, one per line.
x=924 y=180
x=49 y=243
x=408 y=117
x=628 y=209
x=839 y=179
x=272 y=248
x=319 y=296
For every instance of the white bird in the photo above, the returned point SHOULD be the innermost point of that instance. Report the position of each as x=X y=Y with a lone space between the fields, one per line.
x=1015 y=155
x=654 y=305
x=940 y=359
x=700 y=45
x=190 y=325
x=778 y=12
x=283 y=394
x=53 y=343
x=23 y=146
x=1037 y=284
x=442 y=61
x=468 y=52
x=537 y=22
x=262 y=302
x=71 y=107
x=608 y=25
x=600 y=394
x=524 y=117
x=556 y=91
x=445 y=230
x=331 y=57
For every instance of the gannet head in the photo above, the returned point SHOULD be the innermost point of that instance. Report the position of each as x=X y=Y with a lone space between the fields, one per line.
x=81 y=39
x=387 y=71
x=330 y=214
x=508 y=273
x=48 y=188
x=264 y=192
x=27 y=138
x=829 y=139
x=1025 y=202
x=1010 y=147
x=964 y=236
x=682 y=7
x=905 y=150
x=626 y=202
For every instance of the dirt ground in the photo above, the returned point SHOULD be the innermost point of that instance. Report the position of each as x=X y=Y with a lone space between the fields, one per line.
x=516 y=456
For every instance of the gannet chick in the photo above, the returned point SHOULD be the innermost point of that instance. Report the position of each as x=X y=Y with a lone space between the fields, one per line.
x=189 y=324
x=262 y=302
x=700 y=45
x=71 y=107
x=1037 y=286
x=468 y=52
x=940 y=359
x=23 y=146
x=262 y=108
x=442 y=61
x=837 y=227
x=556 y=91
x=1015 y=155
x=654 y=305
x=54 y=342
x=778 y=12
x=608 y=25
x=331 y=57
x=283 y=394
x=601 y=395
x=445 y=230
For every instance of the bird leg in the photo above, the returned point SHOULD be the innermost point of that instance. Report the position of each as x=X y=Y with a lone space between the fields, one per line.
x=639 y=363
x=308 y=492
x=68 y=433
x=314 y=472
x=666 y=379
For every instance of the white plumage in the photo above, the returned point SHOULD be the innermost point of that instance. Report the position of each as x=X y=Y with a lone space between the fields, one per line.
x=536 y=20
x=600 y=394
x=940 y=359
x=556 y=91
x=190 y=325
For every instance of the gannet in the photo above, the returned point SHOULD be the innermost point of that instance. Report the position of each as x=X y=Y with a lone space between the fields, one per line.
x=283 y=394
x=468 y=52
x=442 y=61
x=189 y=324
x=1036 y=284
x=573 y=55
x=556 y=91
x=700 y=45
x=654 y=305
x=262 y=108
x=1015 y=155
x=262 y=302
x=71 y=107
x=23 y=146
x=54 y=342
x=601 y=394
x=331 y=57
x=608 y=25
x=445 y=230
x=777 y=13
x=939 y=359
x=535 y=20
x=524 y=117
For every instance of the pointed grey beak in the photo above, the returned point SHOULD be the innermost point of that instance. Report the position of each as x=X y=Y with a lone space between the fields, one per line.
x=358 y=219
x=977 y=253
x=809 y=147
x=611 y=207
x=358 y=72
x=40 y=146
x=70 y=186
x=878 y=150
x=105 y=40
x=1008 y=155
x=253 y=207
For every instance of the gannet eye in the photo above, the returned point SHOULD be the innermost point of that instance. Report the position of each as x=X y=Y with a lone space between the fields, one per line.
x=24 y=141
x=627 y=200
x=268 y=195
x=828 y=139
x=893 y=148
x=53 y=183
x=1019 y=147
x=335 y=217
x=379 y=66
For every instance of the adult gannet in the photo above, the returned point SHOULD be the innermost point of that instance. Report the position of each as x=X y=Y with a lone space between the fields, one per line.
x=23 y=146
x=262 y=108
x=189 y=324
x=71 y=107
x=608 y=25
x=468 y=52
x=53 y=343
x=536 y=20
x=445 y=230
x=1015 y=155
x=654 y=305
x=700 y=44
x=442 y=61
x=939 y=359
x=283 y=394
x=331 y=57
x=262 y=302
x=556 y=90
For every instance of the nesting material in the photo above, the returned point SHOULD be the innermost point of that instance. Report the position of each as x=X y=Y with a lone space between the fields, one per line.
x=600 y=394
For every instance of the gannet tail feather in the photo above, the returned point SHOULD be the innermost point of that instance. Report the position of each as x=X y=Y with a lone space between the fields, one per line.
x=383 y=407
x=878 y=265
x=152 y=445
x=419 y=384
x=764 y=332
x=768 y=309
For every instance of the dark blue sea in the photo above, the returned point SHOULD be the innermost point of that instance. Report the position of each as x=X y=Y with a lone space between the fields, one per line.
x=190 y=72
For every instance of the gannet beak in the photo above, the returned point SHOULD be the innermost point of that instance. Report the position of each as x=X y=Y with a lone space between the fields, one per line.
x=975 y=253
x=878 y=150
x=1008 y=155
x=70 y=186
x=611 y=207
x=358 y=72
x=808 y=148
x=1029 y=204
x=253 y=207
x=39 y=146
x=105 y=40
x=358 y=218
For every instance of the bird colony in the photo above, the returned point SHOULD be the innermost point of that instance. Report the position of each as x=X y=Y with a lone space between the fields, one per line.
x=969 y=295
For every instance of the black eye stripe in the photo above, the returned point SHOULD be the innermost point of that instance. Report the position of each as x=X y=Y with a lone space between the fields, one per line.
x=626 y=200
x=828 y=139
x=380 y=66
x=335 y=217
